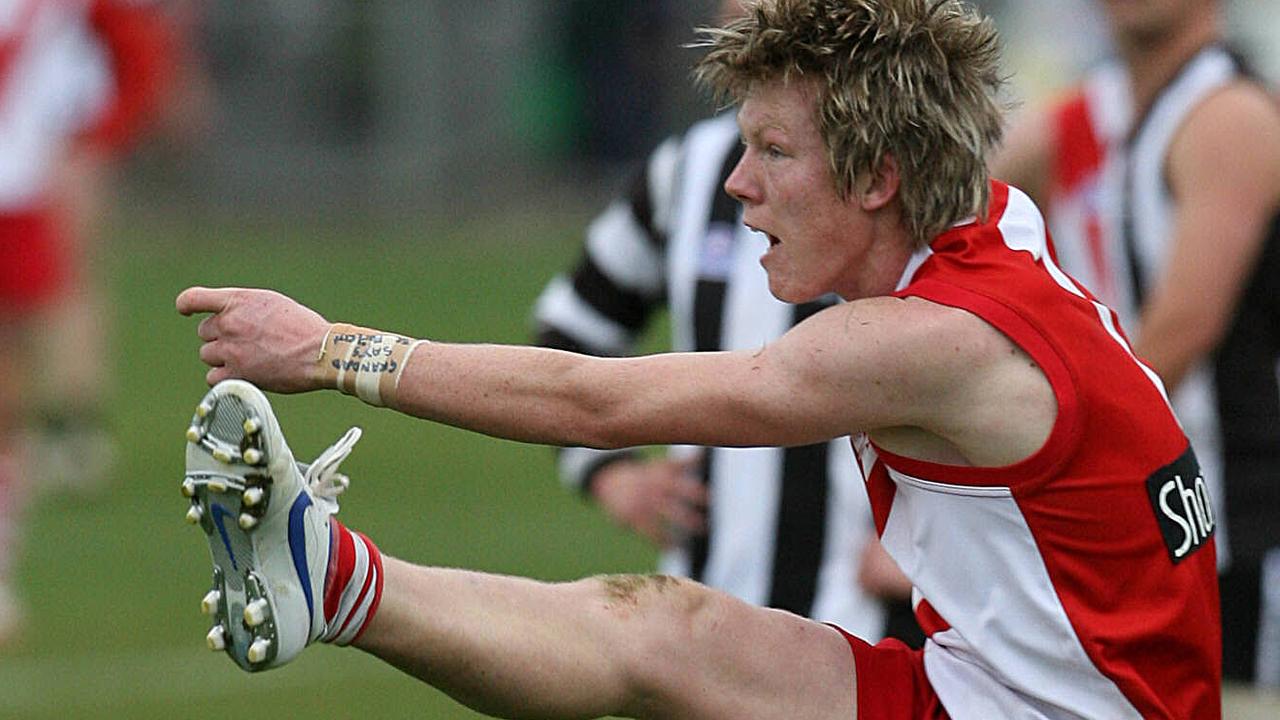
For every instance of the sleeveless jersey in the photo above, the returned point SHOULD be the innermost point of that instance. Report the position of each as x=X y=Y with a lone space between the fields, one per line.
x=1080 y=582
x=1230 y=403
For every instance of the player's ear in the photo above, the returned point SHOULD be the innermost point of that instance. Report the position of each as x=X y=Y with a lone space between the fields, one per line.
x=878 y=188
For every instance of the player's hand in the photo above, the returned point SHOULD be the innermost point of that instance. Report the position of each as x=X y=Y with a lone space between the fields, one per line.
x=257 y=335
x=660 y=499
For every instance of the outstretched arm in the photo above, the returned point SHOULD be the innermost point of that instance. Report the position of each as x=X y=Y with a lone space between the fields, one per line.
x=774 y=396
x=878 y=364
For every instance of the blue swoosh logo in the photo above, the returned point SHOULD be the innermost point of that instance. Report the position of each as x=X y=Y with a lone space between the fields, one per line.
x=220 y=512
x=298 y=547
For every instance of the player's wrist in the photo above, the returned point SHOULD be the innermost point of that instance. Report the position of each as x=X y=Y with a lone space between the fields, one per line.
x=364 y=362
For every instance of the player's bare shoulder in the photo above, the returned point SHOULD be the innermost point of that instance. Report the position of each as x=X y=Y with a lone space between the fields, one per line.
x=910 y=341
x=1236 y=127
x=989 y=401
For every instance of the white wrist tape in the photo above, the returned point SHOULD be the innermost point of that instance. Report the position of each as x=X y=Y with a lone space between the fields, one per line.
x=364 y=362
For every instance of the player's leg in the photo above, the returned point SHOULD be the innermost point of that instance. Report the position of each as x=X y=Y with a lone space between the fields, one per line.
x=287 y=574
x=634 y=646
x=29 y=275
x=12 y=485
x=75 y=386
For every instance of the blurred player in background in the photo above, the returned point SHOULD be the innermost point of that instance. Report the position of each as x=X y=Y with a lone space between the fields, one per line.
x=1025 y=470
x=779 y=527
x=77 y=80
x=155 y=86
x=1160 y=173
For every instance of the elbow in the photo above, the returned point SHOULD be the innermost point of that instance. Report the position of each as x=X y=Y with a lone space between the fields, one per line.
x=1175 y=346
x=585 y=410
x=592 y=426
x=607 y=418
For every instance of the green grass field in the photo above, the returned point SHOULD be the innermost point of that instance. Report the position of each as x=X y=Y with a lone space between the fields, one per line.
x=114 y=584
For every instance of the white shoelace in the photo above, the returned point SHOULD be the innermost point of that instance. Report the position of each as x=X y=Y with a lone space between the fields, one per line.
x=322 y=475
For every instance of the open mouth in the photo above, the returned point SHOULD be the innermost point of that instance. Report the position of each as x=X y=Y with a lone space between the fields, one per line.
x=773 y=239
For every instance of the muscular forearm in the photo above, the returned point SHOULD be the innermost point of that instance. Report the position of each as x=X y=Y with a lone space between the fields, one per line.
x=560 y=398
x=519 y=393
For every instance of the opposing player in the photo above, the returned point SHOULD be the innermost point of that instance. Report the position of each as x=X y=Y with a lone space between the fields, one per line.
x=781 y=527
x=1161 y=175
x=1020 y=461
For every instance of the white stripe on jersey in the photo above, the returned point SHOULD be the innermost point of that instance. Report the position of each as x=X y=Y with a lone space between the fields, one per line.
x=1195 y=400
x=1020 y=225
x=705 y=148
x=560 y=306
x=959 y=582
x=744 y=506
x=1022 y=228
x=913 y=264
x=664 y=164
x=1151 y=203
x=744 y=482
x=620 y=247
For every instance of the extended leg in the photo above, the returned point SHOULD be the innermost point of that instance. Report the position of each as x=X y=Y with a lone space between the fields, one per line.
x=288 y=574
x=635 y=646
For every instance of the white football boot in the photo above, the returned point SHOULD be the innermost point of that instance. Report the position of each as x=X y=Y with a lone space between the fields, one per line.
x=267 y=520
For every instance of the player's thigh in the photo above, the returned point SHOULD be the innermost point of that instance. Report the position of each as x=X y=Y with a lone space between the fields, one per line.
x=729 y=659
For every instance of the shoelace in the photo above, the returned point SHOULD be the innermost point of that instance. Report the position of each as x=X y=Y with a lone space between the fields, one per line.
x=322 y=475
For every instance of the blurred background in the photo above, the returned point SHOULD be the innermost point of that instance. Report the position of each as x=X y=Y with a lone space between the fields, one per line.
x=418 y=165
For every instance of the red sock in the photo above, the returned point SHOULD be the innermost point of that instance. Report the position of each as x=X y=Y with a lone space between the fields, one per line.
x=353 y=586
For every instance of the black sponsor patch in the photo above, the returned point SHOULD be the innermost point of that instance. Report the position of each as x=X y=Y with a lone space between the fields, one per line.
x=1180 y=500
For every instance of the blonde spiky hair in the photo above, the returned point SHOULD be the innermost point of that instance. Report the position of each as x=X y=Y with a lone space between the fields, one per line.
x=915 y=79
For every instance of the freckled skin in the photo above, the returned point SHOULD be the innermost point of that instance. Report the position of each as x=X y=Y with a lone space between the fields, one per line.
x=788 y=191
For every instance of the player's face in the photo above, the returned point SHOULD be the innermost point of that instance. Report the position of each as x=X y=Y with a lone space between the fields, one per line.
x=788 y=191
x=1146 y=22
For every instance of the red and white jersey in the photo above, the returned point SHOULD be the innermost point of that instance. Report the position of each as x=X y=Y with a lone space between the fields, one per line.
x=55 y=79
x=74 y=71
x=1086 y=126
x=1080 y=582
